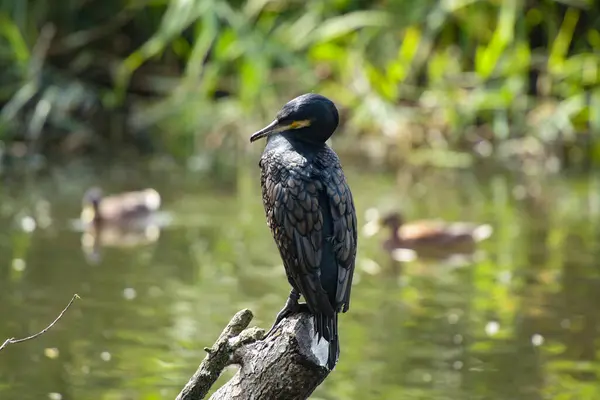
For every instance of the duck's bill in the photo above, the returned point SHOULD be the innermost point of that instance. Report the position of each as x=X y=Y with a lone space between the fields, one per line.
x=87 y=214
x=373 y=225
x=273 y=127
x=371 y=228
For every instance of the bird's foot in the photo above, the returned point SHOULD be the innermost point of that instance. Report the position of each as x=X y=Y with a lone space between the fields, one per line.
x=287 y=310
x=291 y=307
x=302 y=307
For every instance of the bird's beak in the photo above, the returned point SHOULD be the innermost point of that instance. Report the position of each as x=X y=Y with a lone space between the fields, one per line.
x=273 y=127
x=87 y=214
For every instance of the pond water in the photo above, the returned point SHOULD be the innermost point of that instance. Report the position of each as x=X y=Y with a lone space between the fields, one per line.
x=519 y=321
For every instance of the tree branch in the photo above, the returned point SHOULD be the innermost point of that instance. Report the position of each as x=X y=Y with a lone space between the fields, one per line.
x=13 y=340
x=219 y=354
x=289 y=364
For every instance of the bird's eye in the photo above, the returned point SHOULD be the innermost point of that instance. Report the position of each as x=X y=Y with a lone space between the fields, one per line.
x=300 y=124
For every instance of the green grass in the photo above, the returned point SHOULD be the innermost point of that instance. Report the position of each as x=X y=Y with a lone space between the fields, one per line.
x=433 y=82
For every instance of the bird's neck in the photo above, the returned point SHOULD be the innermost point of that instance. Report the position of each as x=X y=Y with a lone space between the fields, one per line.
x=287 y=141
x=395 y=230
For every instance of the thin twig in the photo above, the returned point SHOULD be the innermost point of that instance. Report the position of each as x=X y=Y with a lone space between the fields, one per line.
x=13 y=340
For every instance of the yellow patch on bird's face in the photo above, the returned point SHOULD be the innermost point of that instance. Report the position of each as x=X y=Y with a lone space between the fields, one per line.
x=300 y=124
x=87 y=214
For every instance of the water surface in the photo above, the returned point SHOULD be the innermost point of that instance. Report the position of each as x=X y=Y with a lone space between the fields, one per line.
x=518 y=322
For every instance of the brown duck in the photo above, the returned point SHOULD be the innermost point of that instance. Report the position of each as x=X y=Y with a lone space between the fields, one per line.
x=120 y=209
x=430 y=237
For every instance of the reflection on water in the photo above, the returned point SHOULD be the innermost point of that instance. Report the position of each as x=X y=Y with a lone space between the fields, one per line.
x=519 y=322
x=132 y=234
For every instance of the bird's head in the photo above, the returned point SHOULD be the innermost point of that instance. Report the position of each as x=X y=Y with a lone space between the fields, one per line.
x=92 y=196
x=393 y=220
x=310 y=118
x=376 y=222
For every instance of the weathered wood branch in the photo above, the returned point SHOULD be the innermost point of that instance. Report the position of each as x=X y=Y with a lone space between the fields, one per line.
x=289 y=364
x=233 y=336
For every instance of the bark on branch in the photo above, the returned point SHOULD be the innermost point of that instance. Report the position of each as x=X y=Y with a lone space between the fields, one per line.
x=289 y=364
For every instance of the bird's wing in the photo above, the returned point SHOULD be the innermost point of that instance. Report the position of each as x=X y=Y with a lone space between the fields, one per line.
x=293 y=213
x=344 y=236
x=123 y=205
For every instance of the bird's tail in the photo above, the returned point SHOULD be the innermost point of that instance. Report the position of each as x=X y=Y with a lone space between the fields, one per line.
x=334 y=344
x=326 y=327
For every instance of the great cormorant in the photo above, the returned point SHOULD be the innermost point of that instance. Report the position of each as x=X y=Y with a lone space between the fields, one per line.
x=310 y=212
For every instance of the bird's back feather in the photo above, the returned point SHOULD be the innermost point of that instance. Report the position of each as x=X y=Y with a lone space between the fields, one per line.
x=311 y=215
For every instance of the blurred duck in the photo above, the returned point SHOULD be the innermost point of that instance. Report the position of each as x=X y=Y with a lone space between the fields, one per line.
x=123 y=220
x=119 y=209
x=434 y=238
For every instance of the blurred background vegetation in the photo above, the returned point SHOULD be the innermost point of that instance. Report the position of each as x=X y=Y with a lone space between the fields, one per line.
x=444 y=82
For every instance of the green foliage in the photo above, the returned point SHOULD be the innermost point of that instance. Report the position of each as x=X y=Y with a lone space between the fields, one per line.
x=477 y=77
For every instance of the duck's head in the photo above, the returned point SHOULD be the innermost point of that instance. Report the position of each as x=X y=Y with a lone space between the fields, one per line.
x=310 y=118
x=376 y=222
x=91 y=204
x=392 y=220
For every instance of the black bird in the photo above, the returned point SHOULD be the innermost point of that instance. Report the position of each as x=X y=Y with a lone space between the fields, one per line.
x=310 y=211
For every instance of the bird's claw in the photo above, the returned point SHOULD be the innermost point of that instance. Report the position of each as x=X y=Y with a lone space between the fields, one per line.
x=289 y=309
x=270 y=331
